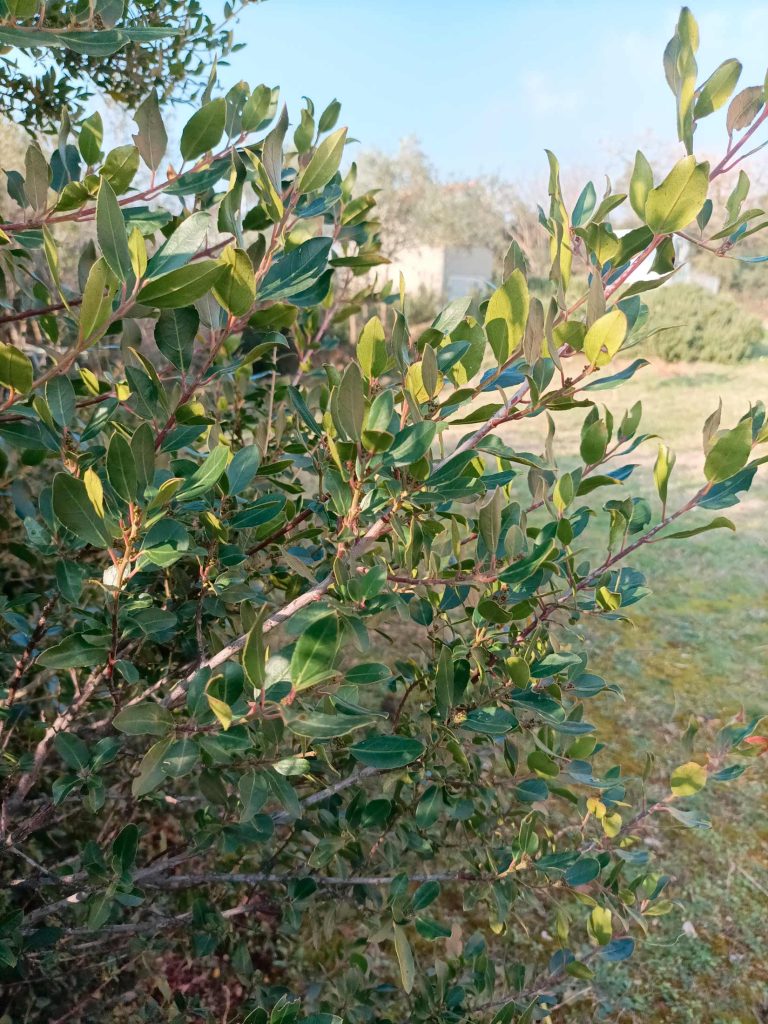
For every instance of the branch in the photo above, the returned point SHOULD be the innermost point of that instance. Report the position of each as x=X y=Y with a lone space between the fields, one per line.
x=26 y=656
x=263 y=878
x=89 y=212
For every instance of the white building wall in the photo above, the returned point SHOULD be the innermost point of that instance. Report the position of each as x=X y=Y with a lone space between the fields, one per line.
x=448 y=273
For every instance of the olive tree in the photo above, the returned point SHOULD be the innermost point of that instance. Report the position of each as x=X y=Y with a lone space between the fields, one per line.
x=110 y=47
x=296 y=691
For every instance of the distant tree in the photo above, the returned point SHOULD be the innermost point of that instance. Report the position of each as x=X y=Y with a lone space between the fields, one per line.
x=118 y=48
x=418 y=207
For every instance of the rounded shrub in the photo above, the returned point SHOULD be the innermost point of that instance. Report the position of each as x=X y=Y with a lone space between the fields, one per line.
x=296 y=704
x=690 y=324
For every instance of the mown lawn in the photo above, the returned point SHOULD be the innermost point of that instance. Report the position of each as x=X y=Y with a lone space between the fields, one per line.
x=697 y=647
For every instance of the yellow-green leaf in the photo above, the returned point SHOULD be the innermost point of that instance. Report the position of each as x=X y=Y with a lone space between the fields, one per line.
x=506 y=316
x=404 y=958
x=640 y=184
x=372 y=349
x=600 y=925
x=729 y=453
x=718 y=88
x=605 y=337
x=688 y=779
x=677 y=200
x=324 y=163
x=236 y=287
x=15 y=369
x=96 y=306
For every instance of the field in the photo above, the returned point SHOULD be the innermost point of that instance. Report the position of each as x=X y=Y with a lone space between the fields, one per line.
x=698 y=643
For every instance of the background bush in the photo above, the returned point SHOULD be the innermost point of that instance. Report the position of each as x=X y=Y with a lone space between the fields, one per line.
x=690 y=323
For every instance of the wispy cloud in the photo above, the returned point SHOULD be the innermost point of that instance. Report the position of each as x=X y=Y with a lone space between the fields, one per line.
x=543 y=95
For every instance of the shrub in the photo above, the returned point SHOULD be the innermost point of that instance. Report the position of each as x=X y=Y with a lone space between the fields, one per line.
x=295 y=715
x=691 y=324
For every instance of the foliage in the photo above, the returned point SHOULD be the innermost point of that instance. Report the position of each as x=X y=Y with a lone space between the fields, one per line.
x=297 y=687
x=117 y=48
x=690 y=323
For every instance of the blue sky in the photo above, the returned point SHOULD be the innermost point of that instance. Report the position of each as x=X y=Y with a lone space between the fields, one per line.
x=486 y=85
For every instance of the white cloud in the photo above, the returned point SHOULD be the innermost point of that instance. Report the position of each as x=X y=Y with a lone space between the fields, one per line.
x=542 y=95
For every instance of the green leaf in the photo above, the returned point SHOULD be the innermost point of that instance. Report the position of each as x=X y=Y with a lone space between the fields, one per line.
x=717 y=89
x=507 y=315
x=60 y=396
x=259 y=108
x=183 y=286
x=387 y=751
x=236 y=288
x=585 y=205
x=180 y=758
x=412 y=444
x=640 y=184
x=178 y=250
x=120 y=167
x=315 y=652
x=594 y=441
x=121 y=468
x=124 y=848
x=688 y=779
x=151 y=774
x=729 y=453
x=744 y=108
x=678 y=199
x=145 y=719
x=606 y=383
x=37 y=178
x=348 y=404
x=152 y=138
x=143 y=449
x=295 y=271
x=204 y=129
x=75 y=511
x=317 y=726
x=206 y=476
x=254 y=656
x=272 y=150
x=489 y=520
x=372 y=349
x=74 y=652
x=324 y=163
x=111 y=233
x=404 y=958
x=175 y=333
x=72 y=750
x=585 y=870
x=605 y=337
x=425 y=895
x=253 y=791
x=367 y=672
x=243 y=468
x=90 y=139
x=718 y=523
x=16 y=370
x=96 y=307
x=329 y=117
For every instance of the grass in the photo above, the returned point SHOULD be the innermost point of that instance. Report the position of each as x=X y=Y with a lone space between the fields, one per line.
x=697 y=648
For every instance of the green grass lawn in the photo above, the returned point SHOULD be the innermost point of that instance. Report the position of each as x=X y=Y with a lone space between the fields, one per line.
x=697 y=647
